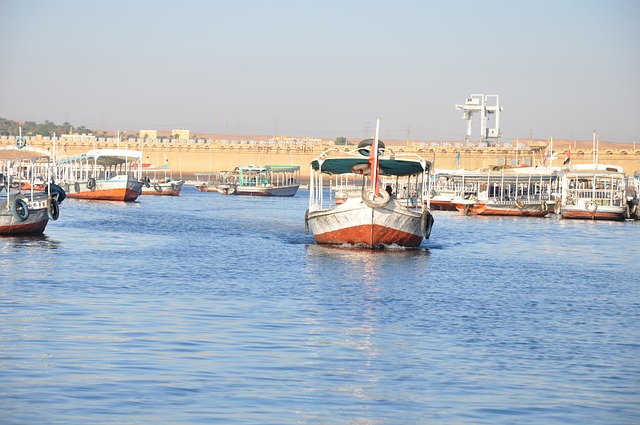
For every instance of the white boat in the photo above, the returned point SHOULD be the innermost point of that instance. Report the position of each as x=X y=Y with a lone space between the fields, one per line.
x=594 y=192
x=223 y=182
x=633 y=196
x=268 y=180
x=102 y=174
x=26 y=206
x=519 y=192
x=357 y=212
x=159 y=181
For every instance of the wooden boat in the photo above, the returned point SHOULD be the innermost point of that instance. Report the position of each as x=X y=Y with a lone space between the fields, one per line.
x=102 y=174
x=594 y=192
x=530 y=192
x=633 y=196
x=445 y=186
x=268 y=180
x=205 y=187
x=359 y=213
x=159 y=181
x=26 y=206
x=223 y=182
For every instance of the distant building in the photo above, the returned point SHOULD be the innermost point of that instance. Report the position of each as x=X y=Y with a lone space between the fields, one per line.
x=148 y=134
x=180 y=134
x=79 y=137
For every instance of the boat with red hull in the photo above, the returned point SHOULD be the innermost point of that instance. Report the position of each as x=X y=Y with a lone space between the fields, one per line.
x=102 y=174
x=360 y=214
x=26 y=205
x=596 y=192
x=518 y=192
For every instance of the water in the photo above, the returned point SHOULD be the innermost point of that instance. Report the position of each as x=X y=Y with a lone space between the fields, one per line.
x=220 y=309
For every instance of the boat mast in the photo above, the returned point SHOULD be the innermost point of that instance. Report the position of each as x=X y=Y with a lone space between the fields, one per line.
x=373 y=160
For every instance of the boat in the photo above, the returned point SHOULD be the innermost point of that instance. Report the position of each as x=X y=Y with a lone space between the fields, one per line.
x=268 y=180
x=518 y=192
x=633 y=197
x=357 y=212
x=102 y=174
x=223 y=182
x=26 y=204
x=159 y=181
x=594 y=192
x=445 y=186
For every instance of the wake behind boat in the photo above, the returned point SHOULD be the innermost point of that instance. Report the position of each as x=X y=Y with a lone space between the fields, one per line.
x=356 y=211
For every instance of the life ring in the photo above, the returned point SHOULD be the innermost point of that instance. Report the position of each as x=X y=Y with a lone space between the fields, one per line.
x=157 y=187
x=543 y=206
x=519 y=203
x=21 y=142
x=173 y=186
x=373 y=201
x=53 y=210
x=55 y=190
x=365 y=146
x=591 y=206
x=426 y=223
x=19 y=208
x=91 y=184
x=361 y=169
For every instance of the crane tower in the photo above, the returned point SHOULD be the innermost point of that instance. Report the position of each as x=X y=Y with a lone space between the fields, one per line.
x=487 y=106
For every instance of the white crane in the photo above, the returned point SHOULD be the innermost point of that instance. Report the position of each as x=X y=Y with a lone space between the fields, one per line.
x=487 y=105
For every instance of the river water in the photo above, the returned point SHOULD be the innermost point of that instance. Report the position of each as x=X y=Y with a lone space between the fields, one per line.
x=206 y=309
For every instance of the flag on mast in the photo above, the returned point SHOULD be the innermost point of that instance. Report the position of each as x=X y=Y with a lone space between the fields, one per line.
x=373 y=160
x=567 y=160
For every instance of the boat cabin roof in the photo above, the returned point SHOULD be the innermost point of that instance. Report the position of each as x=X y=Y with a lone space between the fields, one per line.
x=596 y=167
x=278 y=168
x=388 y=166
x=14 y=154
x=107 y=157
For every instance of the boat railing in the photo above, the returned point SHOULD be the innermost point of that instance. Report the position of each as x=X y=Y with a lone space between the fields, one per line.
x=614 y=197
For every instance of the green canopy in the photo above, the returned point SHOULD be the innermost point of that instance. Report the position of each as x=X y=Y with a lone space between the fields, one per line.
x=388 y=167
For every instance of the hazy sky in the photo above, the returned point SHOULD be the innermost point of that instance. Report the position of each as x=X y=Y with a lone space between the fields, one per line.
x=324 y=68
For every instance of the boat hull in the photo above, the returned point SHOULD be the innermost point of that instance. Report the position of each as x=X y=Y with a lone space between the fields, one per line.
x=127 y=190
x=441 y=205
x=528 y=209
x=283 y=191
x=163 y=189
x=601 y=213
x=355 y=223
x=34 y=224
x=205 y=188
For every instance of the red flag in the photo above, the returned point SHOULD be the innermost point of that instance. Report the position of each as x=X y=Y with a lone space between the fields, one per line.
x=567 y=160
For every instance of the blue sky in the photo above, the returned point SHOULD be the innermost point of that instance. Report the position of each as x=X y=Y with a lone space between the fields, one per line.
x=324 y=68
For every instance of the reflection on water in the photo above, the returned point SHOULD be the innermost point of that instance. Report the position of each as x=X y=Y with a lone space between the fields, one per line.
x=31 y=243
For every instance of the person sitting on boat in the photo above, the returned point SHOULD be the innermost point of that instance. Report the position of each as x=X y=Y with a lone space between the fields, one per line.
x=414 y=198
x=389 y=190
